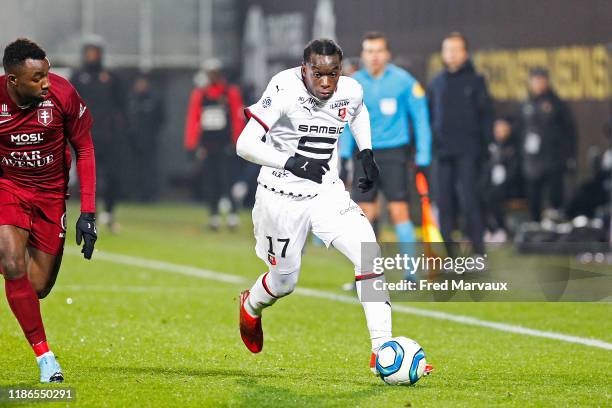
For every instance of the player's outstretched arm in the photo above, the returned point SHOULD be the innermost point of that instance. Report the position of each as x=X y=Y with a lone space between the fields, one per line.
x=251 y=147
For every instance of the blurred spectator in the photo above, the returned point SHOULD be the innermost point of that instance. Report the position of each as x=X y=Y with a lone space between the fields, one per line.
x=549 y=144
x=595 y=191
x=145 y=118
x=101 y=90
x=462 y=120
x=214 y=122
x=503 y=178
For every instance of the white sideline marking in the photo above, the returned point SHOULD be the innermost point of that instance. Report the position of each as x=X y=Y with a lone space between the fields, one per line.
x=228 y=278
x=128 y=288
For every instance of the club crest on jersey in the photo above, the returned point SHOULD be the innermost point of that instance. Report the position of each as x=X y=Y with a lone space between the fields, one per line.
x=342 y=113
x=45 y=116
x=272 y=259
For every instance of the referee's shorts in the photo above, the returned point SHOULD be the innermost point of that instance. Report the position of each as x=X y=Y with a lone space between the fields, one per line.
x=393 y=180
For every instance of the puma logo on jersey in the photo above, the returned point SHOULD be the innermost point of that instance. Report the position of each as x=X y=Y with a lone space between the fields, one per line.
x=304 y=166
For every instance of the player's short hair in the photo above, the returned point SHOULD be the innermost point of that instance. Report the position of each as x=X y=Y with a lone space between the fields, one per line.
x=458 y=35
x=17 y=52
x=377 y=35
x=322 y=46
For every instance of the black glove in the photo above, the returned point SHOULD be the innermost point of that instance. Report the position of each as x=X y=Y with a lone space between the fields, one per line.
x=370 y=168
x=305 y=167
x=86 y=231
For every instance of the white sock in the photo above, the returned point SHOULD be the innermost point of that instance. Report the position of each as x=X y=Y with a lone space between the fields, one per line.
x=378 y=318
x=259 y=298
x=48 y=353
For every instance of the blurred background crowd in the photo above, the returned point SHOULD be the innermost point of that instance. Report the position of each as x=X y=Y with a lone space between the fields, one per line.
x=518 y=102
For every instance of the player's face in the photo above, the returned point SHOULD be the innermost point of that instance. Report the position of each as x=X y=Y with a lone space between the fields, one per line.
x=31 y=81
x=321 y=75
x=375 y=55
x=454 y=53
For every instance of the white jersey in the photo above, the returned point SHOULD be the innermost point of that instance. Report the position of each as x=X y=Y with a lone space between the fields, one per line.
x=298 y=123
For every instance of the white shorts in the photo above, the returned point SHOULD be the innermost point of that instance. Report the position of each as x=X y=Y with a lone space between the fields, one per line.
x=281 y=224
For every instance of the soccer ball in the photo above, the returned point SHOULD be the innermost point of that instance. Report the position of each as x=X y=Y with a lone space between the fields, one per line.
x=400 y=361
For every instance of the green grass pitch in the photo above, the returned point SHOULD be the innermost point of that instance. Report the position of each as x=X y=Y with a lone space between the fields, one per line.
x=135 y=335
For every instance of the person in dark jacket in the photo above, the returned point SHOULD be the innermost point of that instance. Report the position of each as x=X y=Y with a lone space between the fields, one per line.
x=145 y=117
x=461 y=115
x=100 y=88
x=548 y=146
x=502 y=179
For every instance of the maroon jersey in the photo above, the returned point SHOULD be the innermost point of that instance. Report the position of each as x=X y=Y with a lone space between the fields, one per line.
x=34 y=152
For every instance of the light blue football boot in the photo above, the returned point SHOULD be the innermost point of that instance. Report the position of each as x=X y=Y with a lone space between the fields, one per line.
x=50 y=370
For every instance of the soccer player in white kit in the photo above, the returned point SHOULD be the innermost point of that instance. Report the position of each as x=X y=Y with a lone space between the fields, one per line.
x=292 y=133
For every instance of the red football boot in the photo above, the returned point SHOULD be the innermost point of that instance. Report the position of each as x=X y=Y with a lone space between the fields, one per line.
x=250 y=327
x=373 y=364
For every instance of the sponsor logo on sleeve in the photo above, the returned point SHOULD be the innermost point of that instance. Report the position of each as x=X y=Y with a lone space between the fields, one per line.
x=266 y=102
x=82 y=109
x=417 y=90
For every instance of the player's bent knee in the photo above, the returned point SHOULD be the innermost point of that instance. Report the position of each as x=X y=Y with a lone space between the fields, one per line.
x=282 y=284
x=13 y=267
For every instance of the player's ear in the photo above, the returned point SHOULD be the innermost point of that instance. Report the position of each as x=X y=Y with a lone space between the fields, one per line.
x=12 y=79
x=303 y=69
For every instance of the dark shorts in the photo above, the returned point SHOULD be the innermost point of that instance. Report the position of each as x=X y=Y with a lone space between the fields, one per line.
x=44 y=218
x=393 y=180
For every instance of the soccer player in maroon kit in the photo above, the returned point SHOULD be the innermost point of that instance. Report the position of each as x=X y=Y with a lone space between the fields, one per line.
x=41 y=114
